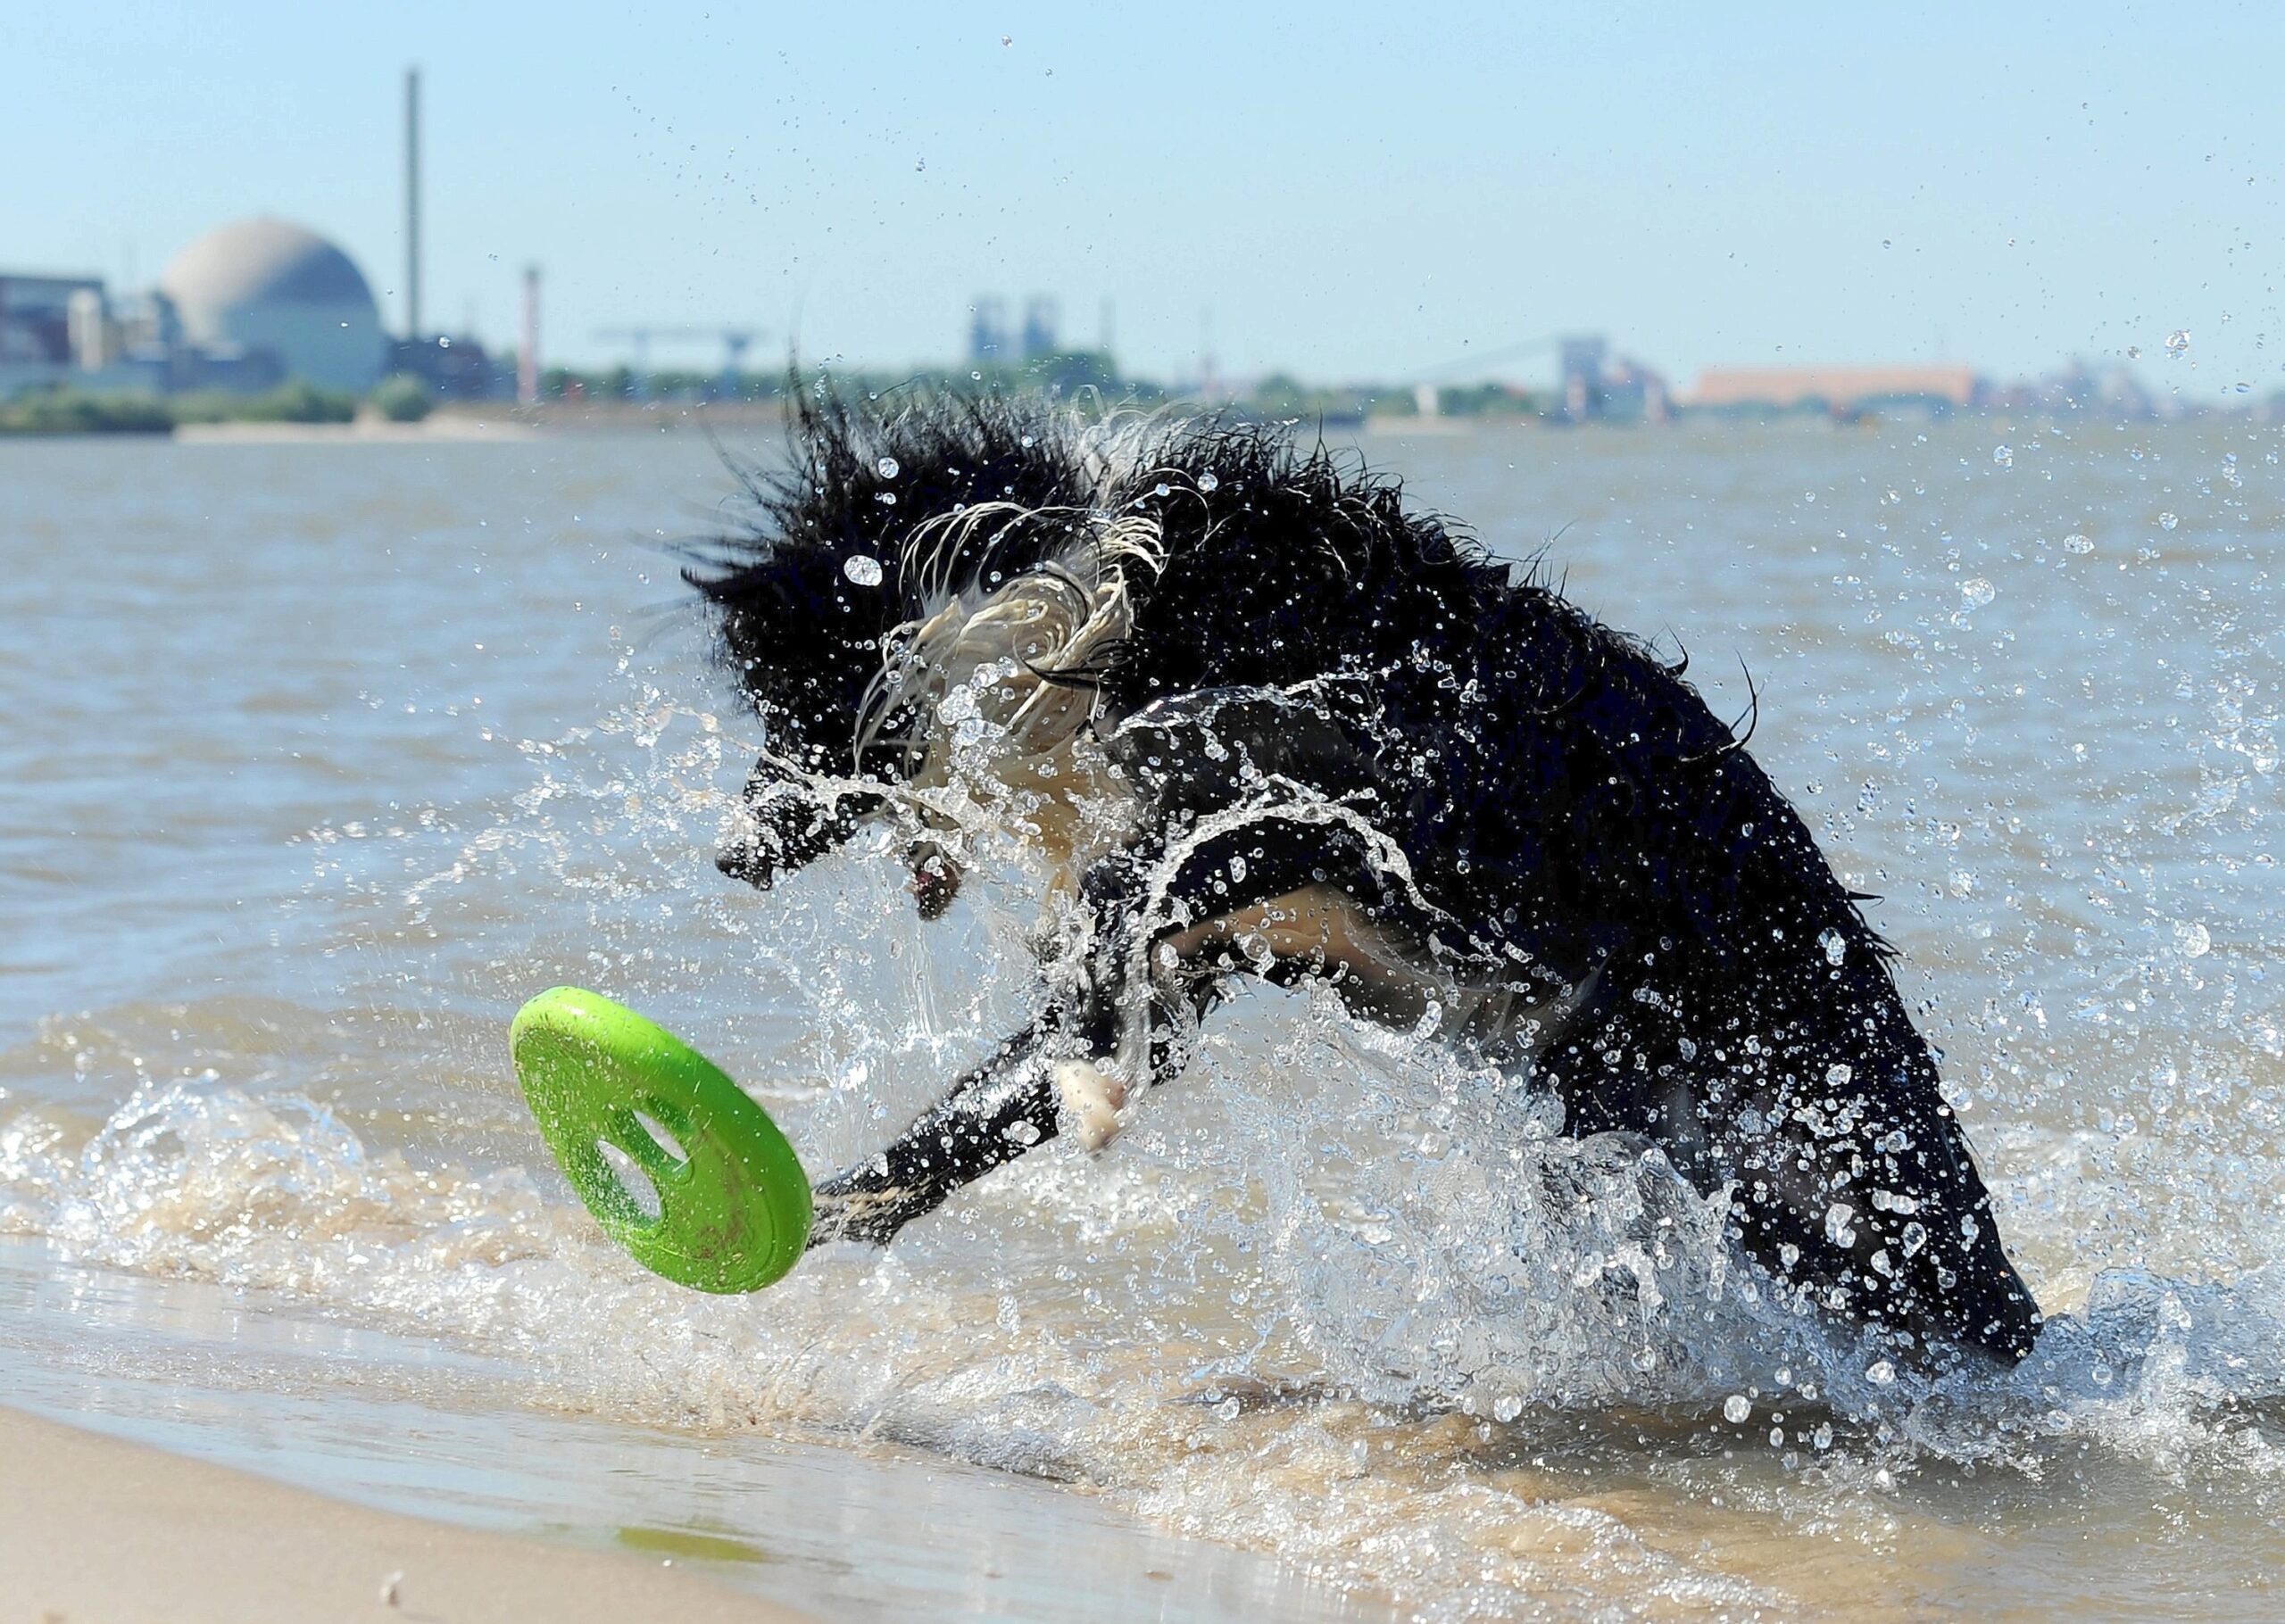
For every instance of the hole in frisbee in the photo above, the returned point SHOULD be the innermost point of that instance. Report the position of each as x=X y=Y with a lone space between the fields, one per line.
x=668 y=1143
x=634 y=1182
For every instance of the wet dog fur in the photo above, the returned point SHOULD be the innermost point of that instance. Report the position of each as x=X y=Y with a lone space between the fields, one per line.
x=1261 y=718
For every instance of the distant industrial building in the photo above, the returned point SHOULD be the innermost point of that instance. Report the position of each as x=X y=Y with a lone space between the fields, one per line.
x=246 y=307
x=2105 y=389
x=991 y=343
x=49 y=326
x=1841 y=390
x=57 y=330
x=274 y=294
x=1598 y=387
x=1041 y=318
x=987 y=331
x=458 y=369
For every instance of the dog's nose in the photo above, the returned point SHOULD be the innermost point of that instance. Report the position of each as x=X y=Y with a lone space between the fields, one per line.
x=743 y=860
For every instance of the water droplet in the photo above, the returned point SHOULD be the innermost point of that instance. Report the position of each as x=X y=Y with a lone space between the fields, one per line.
x=1886 y=243
x=1881 y=1373
x=1976 y=592
x=1836 y=1224
x=1508 y=1408
x=2167 y=521
x=1007 y=39
x=1027 y=442
x=2078 y=542
x=889 y=467
x=2003 y=455
x=863 y=570
x=1822 y=1437
x=1207 y=481
x=2178 y=342
x=1838 y=1073
x=1736 y=1408
x=919 y=164
x=887 y=499
x=1836 y=946
x=2134 y=352
x=2193 y=939
x=1162 y=489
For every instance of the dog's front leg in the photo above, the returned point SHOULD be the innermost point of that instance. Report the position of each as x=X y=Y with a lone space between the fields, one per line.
x=1166 y=925
x=992 y=1116
x=1068 y=1062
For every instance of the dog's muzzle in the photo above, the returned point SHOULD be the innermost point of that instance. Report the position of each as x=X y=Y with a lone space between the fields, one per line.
x=784 y=824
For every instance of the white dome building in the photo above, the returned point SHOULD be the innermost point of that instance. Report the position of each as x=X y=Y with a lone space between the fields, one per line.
x=265 y=286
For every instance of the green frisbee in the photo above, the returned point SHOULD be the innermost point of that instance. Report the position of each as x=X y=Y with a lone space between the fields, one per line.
x=734 y=1209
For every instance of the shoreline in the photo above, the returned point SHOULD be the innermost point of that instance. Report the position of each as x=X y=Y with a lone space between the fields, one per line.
x=369 y=431
x=93 y=1528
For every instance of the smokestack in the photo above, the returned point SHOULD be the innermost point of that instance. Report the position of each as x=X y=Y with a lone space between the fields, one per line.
x=412 y=203
x=527 y=351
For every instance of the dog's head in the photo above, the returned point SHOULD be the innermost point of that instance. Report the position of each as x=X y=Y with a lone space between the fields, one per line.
x=879 y=560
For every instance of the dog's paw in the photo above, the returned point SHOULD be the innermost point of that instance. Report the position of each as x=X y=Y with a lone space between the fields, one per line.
x=1091 y=1100
x=872 y=1217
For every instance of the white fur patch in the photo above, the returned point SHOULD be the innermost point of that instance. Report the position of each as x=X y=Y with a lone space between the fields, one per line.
x=983 y=655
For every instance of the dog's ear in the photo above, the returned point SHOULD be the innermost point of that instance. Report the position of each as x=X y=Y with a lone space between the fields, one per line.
x=784 y=823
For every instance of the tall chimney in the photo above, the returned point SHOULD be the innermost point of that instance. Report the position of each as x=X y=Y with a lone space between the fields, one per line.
x=527 y=351
x=412 y=203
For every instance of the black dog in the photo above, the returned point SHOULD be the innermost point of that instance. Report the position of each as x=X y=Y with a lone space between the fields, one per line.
x=1261 y=719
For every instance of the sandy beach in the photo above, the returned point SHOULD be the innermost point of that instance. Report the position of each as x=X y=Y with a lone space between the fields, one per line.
x=96 y=1531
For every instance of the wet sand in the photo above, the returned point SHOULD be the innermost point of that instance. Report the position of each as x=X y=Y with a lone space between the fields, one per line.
x=94 y=1529
x=839 y=1530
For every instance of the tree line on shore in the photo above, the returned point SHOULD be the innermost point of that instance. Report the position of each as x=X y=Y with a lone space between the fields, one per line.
x=64 y=410
x=1081 y=377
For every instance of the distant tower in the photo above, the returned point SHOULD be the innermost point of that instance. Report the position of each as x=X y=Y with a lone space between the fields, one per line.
x=412 y=203
x=87 y=325
x=527 y=351
x=1040 y=322
x=987 y=331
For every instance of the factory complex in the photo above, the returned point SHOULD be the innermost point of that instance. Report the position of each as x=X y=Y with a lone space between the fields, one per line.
x=246 y=308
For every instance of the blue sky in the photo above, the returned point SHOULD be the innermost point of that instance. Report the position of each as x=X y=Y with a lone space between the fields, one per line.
x=1351 y=191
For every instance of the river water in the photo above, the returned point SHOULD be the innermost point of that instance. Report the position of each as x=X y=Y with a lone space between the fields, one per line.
x=318 y=758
